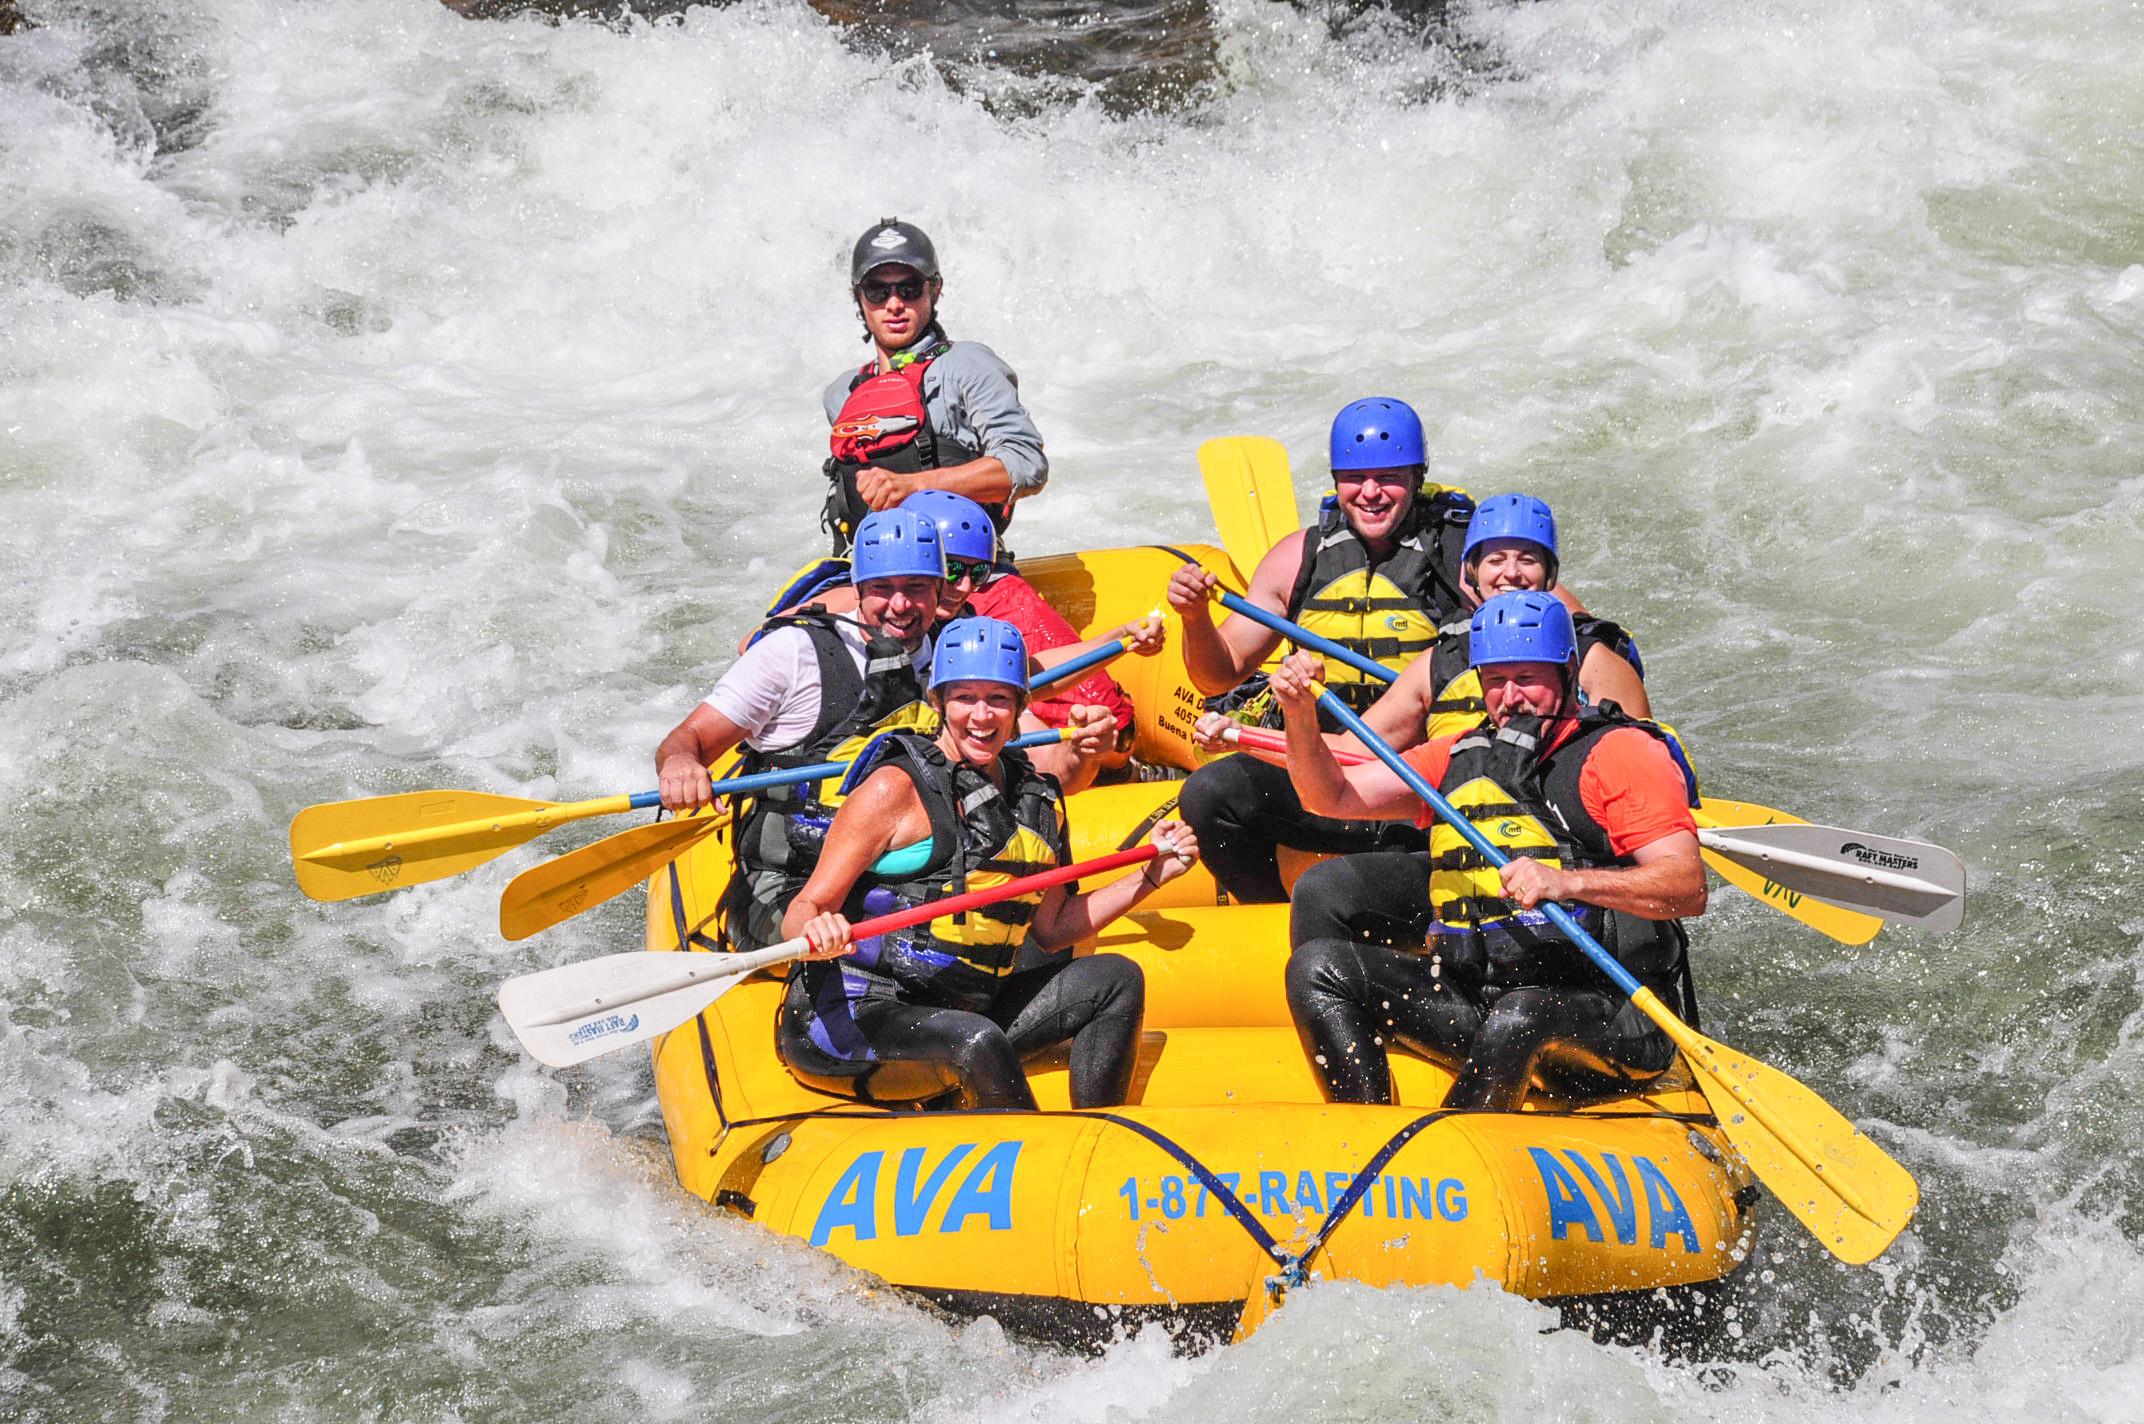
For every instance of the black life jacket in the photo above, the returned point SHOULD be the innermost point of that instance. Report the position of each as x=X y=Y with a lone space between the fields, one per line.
x=782 y=830
x=1456 y=702
x=1528 y=803
x=885 y=425
x=1390 y=611
x=981 y=836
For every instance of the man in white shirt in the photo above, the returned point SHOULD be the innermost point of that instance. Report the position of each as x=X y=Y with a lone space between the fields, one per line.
x=814 y=688
x=771 y=698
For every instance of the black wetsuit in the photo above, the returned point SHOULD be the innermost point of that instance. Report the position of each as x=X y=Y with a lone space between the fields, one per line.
x=917 y=1012
x=1244 y=810
x=1499 y=987
x=1357 y=926
x=1097 y=1002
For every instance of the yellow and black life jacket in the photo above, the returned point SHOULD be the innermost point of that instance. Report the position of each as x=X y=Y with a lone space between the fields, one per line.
x=982 y=836
x=780 y=833
x=1527 y=802
x=1389 y=611
x=1456 y=703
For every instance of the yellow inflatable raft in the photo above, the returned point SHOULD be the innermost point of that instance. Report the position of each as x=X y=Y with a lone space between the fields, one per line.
x=1226 y=1162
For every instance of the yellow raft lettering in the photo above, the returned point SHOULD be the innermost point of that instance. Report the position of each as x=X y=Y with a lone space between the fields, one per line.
x=986 y=1192
x=1569 y=1205
x=1405 y=1198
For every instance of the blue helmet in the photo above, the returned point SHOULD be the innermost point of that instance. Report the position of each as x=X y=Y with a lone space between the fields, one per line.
x=1522 y=627
x=891 y=543
x=963 y=527
x=980 y=650
x=1513 y=516
x=1378 y=434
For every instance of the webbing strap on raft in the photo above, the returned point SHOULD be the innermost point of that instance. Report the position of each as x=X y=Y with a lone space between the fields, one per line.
x=1294 y=1266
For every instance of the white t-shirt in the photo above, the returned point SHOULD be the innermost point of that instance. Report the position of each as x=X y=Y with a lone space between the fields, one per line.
x=773 y=690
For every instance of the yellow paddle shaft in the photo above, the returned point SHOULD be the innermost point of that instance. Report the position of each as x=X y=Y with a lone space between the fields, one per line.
x=538 y=820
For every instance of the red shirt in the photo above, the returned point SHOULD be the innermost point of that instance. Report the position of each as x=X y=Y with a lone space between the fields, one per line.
x=1629 y=784
x=1012 y=598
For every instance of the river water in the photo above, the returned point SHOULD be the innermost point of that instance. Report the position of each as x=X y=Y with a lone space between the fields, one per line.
x=393 y=400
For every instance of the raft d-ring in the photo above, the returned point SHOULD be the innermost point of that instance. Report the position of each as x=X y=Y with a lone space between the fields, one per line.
x=1291 y=1274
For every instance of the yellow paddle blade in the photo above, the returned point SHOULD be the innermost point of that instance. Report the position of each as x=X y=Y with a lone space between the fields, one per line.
x=1711 y=811
x=580 y=880
x=349 y=848
x=1848 y=1191
x=1845 y=926
x=1252 y=494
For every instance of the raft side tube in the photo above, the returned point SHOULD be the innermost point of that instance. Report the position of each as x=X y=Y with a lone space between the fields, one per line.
x=1099 y=590
x=1085 y=1207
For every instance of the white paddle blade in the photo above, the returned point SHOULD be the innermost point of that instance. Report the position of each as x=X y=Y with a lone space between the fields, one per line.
x=576 y=1012
x=1908 y=882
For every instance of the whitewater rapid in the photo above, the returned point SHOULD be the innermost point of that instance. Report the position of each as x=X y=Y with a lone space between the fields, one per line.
x=390 y=400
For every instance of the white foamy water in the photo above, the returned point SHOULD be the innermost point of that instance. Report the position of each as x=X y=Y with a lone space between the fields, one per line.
x=389 y=401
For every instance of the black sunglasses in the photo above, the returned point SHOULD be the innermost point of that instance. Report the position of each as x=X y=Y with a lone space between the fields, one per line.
x=976 y=569
x=875 y=292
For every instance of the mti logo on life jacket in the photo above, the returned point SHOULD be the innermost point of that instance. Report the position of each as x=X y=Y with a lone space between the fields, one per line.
x=883 y=413
x=873 y=427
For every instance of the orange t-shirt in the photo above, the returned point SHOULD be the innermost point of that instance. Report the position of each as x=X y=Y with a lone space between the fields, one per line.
x=1630 y=785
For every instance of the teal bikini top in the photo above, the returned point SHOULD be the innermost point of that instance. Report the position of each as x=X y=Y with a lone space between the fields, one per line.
x=906 y=860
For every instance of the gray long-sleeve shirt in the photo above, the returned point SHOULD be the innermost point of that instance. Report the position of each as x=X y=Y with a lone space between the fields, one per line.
x=973 y=398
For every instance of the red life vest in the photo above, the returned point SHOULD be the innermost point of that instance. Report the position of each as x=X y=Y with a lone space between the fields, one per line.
x=883 y=413
x=885 y=424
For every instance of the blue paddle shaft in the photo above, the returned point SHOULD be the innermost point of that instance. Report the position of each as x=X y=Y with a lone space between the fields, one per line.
x=813 y=772
x=1075 y=666
x=1338 y=652
x=1557 y=915
x=642 y=800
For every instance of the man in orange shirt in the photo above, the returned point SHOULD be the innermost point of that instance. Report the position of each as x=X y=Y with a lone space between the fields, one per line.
x=1451 y=957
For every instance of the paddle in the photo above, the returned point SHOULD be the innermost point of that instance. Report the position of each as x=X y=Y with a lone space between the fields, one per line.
x=1252 y=494
x=345 y=849
x=1860 y=876
x=1824 y=901
x=559 y=889
x=1840 y=1184
x=1780 y=859
x=575 y=1012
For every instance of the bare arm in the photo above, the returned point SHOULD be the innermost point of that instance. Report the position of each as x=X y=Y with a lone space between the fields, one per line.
x=884 y=812
x=1220 y=657
x=1667 y=883
x=1144 y=636
x=1401 y=714
x=1064 y=918
x=1369 y=792
x=682 y=759
x=1077 y=760
x=1608 y=677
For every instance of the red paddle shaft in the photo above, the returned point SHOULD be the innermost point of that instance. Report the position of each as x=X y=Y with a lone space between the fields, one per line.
x=902 y=919
x=1265 y=739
